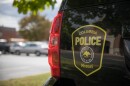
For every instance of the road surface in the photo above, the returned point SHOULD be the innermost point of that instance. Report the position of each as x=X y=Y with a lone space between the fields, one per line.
x=14 y=66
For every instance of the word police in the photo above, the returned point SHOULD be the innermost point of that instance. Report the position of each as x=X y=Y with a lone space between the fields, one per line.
x=91 y=40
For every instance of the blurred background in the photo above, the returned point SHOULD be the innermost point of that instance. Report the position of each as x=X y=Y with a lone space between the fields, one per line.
x=24 y=34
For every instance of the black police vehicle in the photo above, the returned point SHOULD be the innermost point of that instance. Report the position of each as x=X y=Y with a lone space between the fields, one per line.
x=89 y=44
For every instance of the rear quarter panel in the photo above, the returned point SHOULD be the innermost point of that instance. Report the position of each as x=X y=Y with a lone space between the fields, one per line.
x=111 y=18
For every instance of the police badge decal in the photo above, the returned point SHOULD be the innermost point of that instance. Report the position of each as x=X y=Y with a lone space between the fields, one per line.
x=86 y=54
x=88 y=46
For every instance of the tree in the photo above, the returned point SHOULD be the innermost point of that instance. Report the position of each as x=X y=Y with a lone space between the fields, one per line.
x=34 y=28
x=33 y=5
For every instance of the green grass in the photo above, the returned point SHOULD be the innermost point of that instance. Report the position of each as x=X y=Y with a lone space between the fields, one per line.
x=37 y=80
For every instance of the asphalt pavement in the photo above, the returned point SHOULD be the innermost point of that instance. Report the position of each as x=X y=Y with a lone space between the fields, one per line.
x=17 y=66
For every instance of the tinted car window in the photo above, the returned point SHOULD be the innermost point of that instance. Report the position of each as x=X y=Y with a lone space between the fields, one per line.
x=16 y=45
x=32 y=45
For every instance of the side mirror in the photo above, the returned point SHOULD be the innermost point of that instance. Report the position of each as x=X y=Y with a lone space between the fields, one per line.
x=126 y=32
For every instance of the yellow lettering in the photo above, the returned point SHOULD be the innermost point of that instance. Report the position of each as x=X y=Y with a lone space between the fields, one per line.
x=88 y=40
x=98 y=42
x=76 y=40
x=87 y=66
x=82 y=41
x=93 y=39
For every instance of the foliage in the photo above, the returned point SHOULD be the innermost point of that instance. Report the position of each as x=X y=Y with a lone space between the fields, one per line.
x=34 y=28
x=37 y=80
x=33 y=5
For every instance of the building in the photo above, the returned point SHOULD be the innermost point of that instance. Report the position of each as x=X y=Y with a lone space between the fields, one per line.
x=9 y=33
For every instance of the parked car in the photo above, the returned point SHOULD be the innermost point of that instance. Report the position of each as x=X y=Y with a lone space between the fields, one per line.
x=15 y=48
x=36 y=48
x=4 y=47
x=90 y=44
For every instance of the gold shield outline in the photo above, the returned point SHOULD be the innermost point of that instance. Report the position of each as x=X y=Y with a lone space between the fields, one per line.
x=101 y=51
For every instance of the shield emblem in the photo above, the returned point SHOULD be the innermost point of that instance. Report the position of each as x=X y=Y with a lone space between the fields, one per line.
x=88 y=46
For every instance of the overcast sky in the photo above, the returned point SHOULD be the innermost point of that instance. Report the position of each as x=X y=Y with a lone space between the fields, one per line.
x=9 y=17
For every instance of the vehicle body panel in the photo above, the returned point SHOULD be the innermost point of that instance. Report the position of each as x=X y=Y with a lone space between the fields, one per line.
x=111 y=17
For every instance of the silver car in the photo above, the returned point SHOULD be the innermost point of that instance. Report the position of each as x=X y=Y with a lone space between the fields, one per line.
x=36 y=48
x=15 y=48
